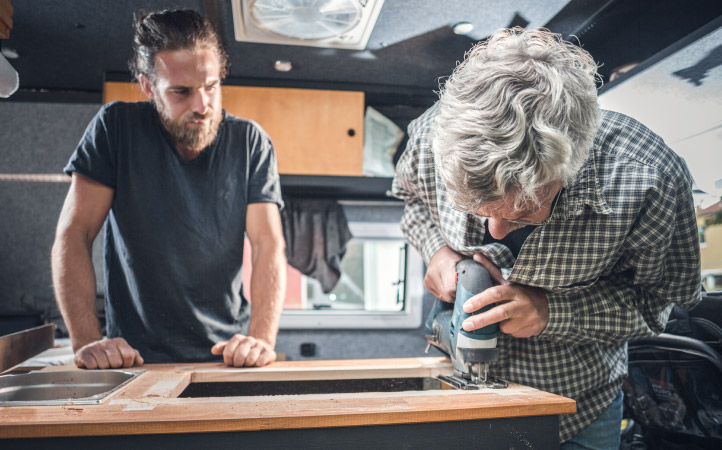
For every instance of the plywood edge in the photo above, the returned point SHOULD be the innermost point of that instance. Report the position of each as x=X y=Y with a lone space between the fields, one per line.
x=425 y=361
x=22 y=345
x=161 y=384
x=329 y=370
x=308 y=421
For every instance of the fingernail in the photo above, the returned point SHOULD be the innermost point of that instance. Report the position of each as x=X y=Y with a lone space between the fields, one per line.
x=466 y=325
x=467 y=307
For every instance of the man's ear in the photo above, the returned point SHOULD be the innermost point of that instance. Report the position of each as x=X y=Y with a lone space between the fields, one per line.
x=146 y=86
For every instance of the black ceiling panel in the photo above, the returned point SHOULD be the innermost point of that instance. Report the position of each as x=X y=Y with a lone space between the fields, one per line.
x=69 y=46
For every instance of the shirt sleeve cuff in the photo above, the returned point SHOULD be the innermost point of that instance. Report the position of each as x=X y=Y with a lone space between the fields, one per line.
x=561 y=316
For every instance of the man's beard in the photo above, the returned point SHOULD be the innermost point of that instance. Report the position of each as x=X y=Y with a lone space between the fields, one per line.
x=194 y=137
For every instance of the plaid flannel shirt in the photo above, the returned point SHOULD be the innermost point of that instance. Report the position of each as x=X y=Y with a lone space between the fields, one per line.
x=621 y=247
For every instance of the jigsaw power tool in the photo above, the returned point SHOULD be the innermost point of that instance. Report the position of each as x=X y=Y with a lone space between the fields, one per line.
x=470 y=351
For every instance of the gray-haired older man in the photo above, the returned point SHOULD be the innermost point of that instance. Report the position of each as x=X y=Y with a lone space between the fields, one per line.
x=517 y=167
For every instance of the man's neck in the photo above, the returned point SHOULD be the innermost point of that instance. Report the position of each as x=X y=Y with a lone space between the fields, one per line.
x=188 y=153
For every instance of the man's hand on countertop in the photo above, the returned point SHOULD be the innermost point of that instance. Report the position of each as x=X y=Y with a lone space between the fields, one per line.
x=246 y=351
x=107 y=354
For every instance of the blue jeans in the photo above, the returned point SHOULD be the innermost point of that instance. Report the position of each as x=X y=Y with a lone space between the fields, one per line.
x=602 y=434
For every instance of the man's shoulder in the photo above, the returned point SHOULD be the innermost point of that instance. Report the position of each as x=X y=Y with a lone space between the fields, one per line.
x=236 y=121
x=118 y=107
x=425 y=122
x=613 y=124
x=240 y=124
x=624 y=138
x=126 y=113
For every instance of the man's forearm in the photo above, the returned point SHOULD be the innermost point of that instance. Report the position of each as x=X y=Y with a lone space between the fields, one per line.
x=268 y=287
x=74 y=285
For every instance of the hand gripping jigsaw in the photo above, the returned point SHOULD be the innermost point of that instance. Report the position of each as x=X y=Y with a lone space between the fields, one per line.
x=470 y=351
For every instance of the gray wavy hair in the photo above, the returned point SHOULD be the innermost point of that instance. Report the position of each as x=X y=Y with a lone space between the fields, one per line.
x=518 y=113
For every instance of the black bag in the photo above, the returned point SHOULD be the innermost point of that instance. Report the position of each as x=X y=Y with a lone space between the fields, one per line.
x=673 y=393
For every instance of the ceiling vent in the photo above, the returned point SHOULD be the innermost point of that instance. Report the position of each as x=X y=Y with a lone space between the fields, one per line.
x=315 y=23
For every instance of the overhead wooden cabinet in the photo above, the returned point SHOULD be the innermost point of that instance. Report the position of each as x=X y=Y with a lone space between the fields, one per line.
x=314 y=132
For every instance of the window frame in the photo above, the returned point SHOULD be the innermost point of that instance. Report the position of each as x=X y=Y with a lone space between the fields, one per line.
x=408 y=318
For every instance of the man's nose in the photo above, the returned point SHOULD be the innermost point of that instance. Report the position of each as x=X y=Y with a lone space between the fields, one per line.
x=499 y=227
x=201 y=102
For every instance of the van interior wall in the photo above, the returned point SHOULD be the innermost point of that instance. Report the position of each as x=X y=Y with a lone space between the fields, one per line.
x=38 y=138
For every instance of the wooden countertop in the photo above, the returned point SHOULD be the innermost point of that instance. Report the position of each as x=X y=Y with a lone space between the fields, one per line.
x=149 y=404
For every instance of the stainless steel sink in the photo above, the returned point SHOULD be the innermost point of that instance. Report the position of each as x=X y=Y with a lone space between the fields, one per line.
x=59 y=387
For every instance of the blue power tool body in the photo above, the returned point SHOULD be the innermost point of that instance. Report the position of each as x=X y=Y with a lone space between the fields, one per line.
x=470 y=351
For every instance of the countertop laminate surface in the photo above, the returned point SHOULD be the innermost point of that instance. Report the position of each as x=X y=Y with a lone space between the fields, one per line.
x=149 y=404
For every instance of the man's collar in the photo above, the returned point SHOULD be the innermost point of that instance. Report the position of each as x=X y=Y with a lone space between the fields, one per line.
x=584 y=192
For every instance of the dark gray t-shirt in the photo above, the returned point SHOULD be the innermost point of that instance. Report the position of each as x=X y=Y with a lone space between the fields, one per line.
x=174 y=234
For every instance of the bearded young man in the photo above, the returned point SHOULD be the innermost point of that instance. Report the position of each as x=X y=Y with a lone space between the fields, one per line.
x=177 y=182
